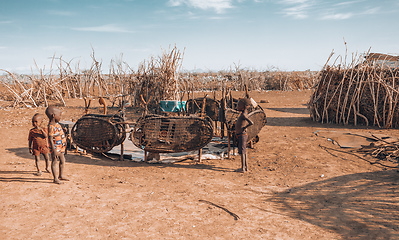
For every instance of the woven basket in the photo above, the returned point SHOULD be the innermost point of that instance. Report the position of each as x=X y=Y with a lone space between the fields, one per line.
x=98 y=133
x=211 y=107
x=258 y=117
x=168 y=134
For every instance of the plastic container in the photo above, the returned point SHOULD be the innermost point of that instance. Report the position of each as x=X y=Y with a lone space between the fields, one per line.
x=172 y=105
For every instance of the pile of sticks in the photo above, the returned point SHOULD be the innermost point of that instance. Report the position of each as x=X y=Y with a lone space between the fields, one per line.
x=158 y=79
x=358 y=93
x=387 y=150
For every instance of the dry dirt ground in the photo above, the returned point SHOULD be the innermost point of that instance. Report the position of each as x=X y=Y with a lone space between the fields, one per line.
x=294 y=189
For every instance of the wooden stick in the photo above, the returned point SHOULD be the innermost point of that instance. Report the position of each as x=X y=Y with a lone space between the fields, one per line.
x=228 y=143
x=122 y=150
x=199 y=155
x=236 y=217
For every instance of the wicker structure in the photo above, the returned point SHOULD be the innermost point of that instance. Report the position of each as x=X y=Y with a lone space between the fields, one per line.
x=162 y=134
x=211 y=107
x=365 y=94
x=98 y=133
x=257 y=116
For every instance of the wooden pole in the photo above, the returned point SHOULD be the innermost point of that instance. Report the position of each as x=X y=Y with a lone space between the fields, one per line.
x=228 y=144
x=121 y=158
x=223 y=110
x=199 y=155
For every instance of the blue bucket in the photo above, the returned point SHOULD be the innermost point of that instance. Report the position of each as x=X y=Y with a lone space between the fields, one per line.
x=172 y=105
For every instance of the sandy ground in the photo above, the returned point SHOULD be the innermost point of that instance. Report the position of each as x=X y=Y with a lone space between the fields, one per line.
x=294 y=189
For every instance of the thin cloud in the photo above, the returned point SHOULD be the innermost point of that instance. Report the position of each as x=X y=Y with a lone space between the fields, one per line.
x=294 y=1
x=326 y=10
x=60 y=13
x=298 y=12
x=297 y=9
x=5 y=22
x=218 y=18
x=107 y=28
x=338 y=16
x=371 y=11
x=334 y=15
x=347 y=3
x=219 y=6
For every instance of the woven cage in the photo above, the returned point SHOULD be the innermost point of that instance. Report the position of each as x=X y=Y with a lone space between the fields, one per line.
x=98 y=133
x=258 y=117
x=211 y=107
x=164 y=134
x=115 y=119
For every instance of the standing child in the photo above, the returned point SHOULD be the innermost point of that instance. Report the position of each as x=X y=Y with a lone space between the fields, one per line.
x=242 y=123
x=57 y=142
x=38 y=143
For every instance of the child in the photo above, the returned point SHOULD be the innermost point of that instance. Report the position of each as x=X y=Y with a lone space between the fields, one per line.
x=38 y=143
x=241 y=131
x=57 y=142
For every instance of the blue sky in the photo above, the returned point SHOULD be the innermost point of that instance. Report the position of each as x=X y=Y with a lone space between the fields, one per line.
x=214 y=34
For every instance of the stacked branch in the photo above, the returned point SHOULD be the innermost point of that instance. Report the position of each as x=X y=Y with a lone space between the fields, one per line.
x=158 y=79
x=360 y=93
x=382 y=150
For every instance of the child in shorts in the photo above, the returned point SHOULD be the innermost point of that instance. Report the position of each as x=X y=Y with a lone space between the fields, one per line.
x=242 y=123
x=57 y=141
x=38 y=143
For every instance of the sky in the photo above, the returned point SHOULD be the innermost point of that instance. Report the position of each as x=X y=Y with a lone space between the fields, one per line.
x=213 y=34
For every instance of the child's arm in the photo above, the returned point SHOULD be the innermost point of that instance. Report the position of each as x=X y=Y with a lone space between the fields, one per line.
x=50 y=138
x=30 y=146
x=30 y=142
x=250 y=123
x=43 y=132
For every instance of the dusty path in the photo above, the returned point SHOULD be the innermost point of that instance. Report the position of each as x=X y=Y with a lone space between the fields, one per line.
x=294 y=190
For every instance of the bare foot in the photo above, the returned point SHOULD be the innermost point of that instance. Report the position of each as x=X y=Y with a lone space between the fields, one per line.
x=57 y=181
x=63 y=179
x=48 y=171
x=39 y=173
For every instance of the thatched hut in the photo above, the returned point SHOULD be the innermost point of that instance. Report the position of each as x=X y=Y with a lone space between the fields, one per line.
x=365 y=92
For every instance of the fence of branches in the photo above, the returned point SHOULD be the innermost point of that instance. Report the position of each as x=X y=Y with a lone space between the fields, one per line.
x=159 y=78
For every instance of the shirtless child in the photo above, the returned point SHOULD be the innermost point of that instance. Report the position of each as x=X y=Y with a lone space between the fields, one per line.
x=242 y=123
x=57 y=142
x=38 y=143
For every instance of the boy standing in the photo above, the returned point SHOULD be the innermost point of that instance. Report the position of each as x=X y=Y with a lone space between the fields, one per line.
x=242 y=123
x=38 y=143
x=57 y=142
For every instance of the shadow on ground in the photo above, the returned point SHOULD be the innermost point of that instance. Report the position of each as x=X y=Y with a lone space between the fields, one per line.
x=98 y=160
x=291 y=110
x=357 y=206
x=308 y=122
